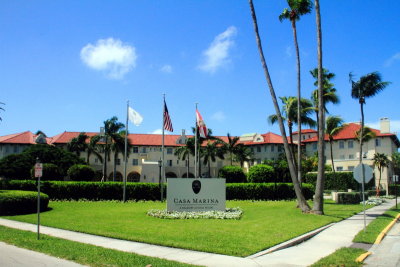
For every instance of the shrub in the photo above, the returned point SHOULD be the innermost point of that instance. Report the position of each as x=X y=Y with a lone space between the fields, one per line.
x=80 y=172
x=151 y=191
x=50 y=172
x=261 y=173
x=13 y=202
x=232 y=174
x=338 y=181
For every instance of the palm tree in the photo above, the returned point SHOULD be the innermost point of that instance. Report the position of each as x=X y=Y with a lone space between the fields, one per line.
x=380 y=161
x=78 y=144
x=231 y=146
x=111 y=129
x=318 y=207
x=243 y=154
x=184 y=152
x=94 y=148
x=367 y=133
x=289 y=110
x=299 y=195
x=329 y=92
x=118 y=146
x=297 y=9
x=1 y=103
x=210 y=153
x=396 y=162
x=334 y=124
x=368 y=86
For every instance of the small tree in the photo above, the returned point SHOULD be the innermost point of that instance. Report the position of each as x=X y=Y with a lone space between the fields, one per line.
x=232 y=174
x=380 y=161
x=261 y=173
x=51 y=172
x=80 y=172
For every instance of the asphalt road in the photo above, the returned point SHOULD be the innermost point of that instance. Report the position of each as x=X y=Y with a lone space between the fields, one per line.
x=11 y=256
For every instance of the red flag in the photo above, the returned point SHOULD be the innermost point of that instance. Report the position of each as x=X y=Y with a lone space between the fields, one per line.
x=167 y=120
x=201 y=125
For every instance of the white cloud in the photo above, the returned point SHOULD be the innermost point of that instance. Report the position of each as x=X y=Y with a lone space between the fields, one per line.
x=389 y=62
x=217 y=54
x=218 y=116
x=166 y=69
x=158 y=131
x=111 y=56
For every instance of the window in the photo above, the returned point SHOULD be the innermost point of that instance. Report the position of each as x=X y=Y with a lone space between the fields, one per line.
x=351 y=168
x=258 y=161
x=96 y=160
x=303 y=137
x=251 y=149
x=339 y=168
x=258 y=149
x=177 y=162
x=350 y=144
x=341 y=156
x=144 y=149
x=135 y=162
x=314 y=146
x=169 y=162
x=378 y=142
x=280 y=148
x=118 y=161
x=272 y=148
x=265 y=148
x=16 y=149
x=135 y=149
x=169 y=150
x=341 y=144
x=351 y=156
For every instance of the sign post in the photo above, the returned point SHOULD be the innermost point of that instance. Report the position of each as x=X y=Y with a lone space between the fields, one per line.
x=363 y=174
x=38 y=174
x=396 y=179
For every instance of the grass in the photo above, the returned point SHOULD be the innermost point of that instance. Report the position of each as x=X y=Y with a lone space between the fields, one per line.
x=341 y=257
x=263 y=224
x=78 y=252
x=374 y=228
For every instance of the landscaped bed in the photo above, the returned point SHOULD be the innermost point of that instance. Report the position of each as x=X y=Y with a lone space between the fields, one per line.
x=263 y=224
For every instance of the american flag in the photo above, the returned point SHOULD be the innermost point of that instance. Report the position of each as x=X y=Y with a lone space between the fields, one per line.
x=167 y=119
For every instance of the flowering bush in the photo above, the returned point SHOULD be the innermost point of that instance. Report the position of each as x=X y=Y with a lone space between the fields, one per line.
x=230 y=213
x=374 y=201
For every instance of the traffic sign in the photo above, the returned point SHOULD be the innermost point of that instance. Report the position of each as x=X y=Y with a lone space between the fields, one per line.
x=38 y=170
x=358 y=175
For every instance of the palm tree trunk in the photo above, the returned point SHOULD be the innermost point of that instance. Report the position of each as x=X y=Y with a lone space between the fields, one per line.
x=318 y=207
x=362 y=129
x=333 y=166
x=302 y=203
x=378 y=187
x=115 y=165
x=298 y=101
x=290 y=127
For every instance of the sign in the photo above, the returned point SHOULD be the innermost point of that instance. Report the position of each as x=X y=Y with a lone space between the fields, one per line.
x=185 y=194
x=357 y=173
x=38 y=170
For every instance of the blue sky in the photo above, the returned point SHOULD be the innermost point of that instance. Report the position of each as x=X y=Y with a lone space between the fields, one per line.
x=70 y=65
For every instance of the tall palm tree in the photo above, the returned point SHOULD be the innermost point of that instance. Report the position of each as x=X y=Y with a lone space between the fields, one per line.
x=367 y=133
x=334 y=124
x=118 y=146
x=299 y=195
x=380 y=161
x=243 y=154
x=231 y=146
x=289 y=110
x=94 y=148
x=318 y=207
x=297 y=9
x=210 y=152
x=329 y=91
x=368 y=86
x=78 y=144
x=184 y=152
x=111 y=128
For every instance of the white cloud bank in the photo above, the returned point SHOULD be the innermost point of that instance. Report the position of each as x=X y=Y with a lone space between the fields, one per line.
x=389 y=62
x=111 y=56
x=217 y=54
x=166 y=69
x=218 y=116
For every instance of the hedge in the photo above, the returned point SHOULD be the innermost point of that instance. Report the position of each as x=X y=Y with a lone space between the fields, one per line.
x=261 y=173
x=350 y=197
x=14 y=202
x=148 y=191
x=81 y=172
x=338 y=181
x=232 y=174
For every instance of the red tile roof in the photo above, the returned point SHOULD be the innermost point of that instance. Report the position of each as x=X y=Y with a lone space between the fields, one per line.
x=306 y=131
x=20 y=138
x=269 y=138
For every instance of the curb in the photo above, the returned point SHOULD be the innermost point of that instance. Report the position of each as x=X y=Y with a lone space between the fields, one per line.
x=363 y=256
x=387 y=228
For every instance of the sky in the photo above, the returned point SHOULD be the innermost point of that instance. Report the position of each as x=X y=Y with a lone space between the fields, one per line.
x=71 y=65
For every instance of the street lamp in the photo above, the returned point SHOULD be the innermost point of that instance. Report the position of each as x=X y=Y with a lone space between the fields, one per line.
x=160 y=178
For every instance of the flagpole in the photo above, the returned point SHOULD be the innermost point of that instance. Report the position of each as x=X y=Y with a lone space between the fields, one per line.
x=195 y=147
x=162 y=151
x=126 y=151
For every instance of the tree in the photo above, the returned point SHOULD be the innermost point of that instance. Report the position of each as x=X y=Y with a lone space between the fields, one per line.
x=210 y=153
x=184 y=152
x=301 y=200
x=367 y=86
x=261 y=173
x=243 y=154
x=111 y=129
x=232 y=174
x=78 y=144
x=297 y=9
x=1 y=108
x=380 y=161
x=118 y=146
x=334 y=124
x=94 y=148
x=367 y=133
x=231 y=146
x=396 y=162
x=318 y=207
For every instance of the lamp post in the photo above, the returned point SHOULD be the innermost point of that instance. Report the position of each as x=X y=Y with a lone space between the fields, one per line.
x=159 y=179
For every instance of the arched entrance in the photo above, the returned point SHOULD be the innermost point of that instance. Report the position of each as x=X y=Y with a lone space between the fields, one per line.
x=118 y=176
x=133 y=177
x=170 y=175
x=191 y=175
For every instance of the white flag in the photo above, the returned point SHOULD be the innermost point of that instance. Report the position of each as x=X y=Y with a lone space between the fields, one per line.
x=134 y=116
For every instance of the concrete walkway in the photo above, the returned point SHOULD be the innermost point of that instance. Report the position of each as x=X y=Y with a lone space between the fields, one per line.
x=324 y=243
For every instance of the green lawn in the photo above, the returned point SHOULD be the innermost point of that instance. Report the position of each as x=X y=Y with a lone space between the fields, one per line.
x=375 y=227
x=264 y=224
x=341 y=257
x=77 y=252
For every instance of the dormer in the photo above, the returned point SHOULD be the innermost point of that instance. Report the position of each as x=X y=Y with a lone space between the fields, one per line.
x=181 y=140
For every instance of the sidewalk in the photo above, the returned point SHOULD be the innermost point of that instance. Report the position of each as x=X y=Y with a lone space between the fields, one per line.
x=326 y=242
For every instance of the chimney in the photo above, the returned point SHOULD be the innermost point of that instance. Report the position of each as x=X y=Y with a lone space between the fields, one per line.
x=183 y=132
x=385 y=125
